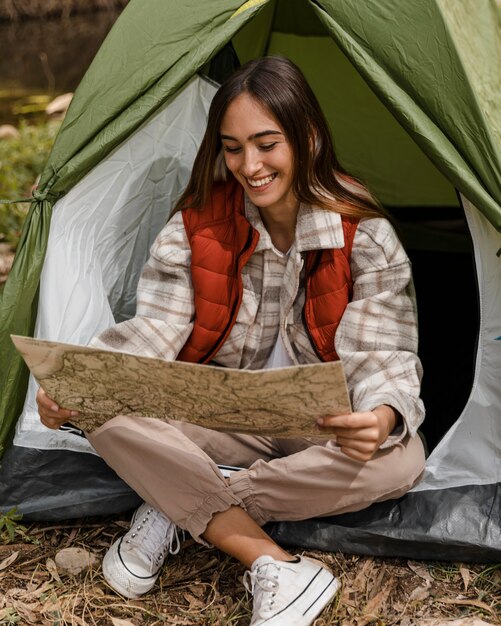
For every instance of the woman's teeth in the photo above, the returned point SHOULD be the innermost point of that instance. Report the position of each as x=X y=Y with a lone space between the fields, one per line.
x=261 y=181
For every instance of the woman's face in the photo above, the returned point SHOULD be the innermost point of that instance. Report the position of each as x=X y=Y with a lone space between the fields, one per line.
x=258 y=154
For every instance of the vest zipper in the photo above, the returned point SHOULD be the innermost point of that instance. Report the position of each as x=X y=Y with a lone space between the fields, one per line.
x=250 y=245
x=303 y=313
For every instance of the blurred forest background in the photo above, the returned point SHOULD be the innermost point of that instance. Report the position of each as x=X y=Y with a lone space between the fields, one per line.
x=45 y=48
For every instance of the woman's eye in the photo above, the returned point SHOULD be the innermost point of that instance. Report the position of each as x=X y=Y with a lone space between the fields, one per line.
x=267 y=146
x=231 y=149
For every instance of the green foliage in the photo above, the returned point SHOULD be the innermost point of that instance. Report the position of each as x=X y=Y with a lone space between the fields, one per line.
x=10 y=616
x=21 y=161
x=10 y=527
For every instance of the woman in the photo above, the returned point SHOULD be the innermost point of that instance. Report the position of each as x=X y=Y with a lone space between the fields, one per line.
x=274 y=256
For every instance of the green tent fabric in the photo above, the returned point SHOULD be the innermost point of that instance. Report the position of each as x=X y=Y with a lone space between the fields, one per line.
x=408 y=60
x=432 y=64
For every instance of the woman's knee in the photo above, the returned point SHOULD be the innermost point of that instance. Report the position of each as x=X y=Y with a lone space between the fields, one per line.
x=127 y=428
x=404 y=466
x=120 y=421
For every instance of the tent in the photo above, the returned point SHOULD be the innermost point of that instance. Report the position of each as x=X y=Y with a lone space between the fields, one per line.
x=412 y=92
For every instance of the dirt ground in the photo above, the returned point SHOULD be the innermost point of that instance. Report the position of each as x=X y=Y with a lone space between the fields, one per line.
x=201 y=586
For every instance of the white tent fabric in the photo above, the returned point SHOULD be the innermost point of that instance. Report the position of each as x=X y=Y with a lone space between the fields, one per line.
x=469 y=453
x=100 y=235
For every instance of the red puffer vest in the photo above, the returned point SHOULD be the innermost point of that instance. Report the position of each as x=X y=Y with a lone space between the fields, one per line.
x=222 y=241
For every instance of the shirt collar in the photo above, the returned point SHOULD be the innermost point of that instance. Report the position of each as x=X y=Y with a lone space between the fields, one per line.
x=316 y=228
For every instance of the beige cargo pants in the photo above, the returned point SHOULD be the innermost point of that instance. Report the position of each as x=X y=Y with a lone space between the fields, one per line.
x=174 y=468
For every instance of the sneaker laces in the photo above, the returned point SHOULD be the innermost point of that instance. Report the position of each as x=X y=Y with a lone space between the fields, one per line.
x=263 y=585
x=154 y=536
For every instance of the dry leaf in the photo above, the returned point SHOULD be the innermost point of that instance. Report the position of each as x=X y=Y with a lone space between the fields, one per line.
x=95 y=591
x=198 y=590
x=465 y=575
x=220 y=610
x=377 y=583
x=116 y=621
x=348 y=598
x=478 y=603
x=421 y=571
x=10 y=559
x=74 y=532
x=179 y=621
x=36 y=592
x=360 y=581
x=29 y=612
x=420 y=593
x=52 y=569
x=194 y=603
x=465 y=621
x=373 y=606
x=366 y=567
x=51 y=604
x=15 y=592
x=74 y=620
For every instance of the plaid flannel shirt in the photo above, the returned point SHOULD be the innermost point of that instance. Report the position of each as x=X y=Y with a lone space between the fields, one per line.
x=376 y=339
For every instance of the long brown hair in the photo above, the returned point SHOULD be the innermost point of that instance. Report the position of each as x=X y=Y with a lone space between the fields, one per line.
x=318 y=179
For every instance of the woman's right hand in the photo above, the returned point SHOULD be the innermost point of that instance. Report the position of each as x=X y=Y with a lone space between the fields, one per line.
x=52 y=415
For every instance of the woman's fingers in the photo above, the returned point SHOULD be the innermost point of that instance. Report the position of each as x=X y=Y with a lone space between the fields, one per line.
x=357 y=444
x=364 y=434
x=357 y=448
x=362 y=427
x=357 y=434
x=51 y=415
x=352 y=421
x=357 y=455
x=44 y=402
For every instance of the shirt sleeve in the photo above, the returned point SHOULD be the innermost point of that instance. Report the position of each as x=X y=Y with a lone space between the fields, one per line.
x=165 y=303
x=377 y=338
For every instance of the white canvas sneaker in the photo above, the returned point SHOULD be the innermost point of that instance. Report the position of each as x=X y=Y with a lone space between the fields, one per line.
x=289 y=594
x=133 y=563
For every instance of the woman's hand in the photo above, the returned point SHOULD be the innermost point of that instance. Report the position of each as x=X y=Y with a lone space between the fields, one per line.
x=360 y=434
x=51 y=415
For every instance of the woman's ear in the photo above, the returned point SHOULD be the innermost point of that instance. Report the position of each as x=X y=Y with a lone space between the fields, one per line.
x=220 y=169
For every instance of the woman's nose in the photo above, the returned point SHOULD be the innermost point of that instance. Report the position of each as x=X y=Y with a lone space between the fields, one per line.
x=252 y=163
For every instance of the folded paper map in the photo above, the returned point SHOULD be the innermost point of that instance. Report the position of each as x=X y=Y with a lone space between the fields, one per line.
x=101 y=384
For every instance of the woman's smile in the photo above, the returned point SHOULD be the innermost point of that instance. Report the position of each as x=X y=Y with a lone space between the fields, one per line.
x=260 y=183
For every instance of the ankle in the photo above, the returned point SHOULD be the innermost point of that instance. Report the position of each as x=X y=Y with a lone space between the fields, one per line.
x=277 y=553
x=233 y=531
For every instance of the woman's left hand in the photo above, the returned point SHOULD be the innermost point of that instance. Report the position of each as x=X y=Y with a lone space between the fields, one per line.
x=51 y=414
x=360 y=434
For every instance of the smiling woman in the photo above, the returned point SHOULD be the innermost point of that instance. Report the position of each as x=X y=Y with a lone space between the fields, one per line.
x=260 y=157
x=274 y=257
